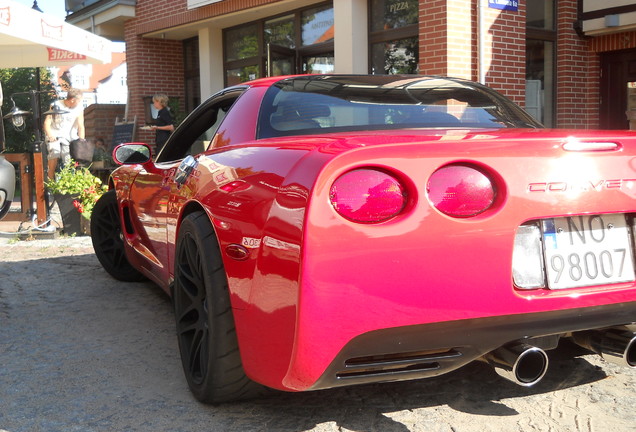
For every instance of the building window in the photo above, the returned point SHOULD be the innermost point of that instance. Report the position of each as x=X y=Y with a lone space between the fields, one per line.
x=281 y=31
x=393 y=37
x=540 y=60
x=241 y=43
x=317 y=25
x=296 y=42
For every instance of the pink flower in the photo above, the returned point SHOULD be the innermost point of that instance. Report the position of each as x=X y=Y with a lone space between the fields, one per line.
x=78 y=205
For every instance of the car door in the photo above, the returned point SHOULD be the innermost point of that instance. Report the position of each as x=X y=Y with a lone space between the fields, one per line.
x=155 y=196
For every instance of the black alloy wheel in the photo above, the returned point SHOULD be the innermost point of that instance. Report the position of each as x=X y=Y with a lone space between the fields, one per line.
x=108 y=243
x=205 y=325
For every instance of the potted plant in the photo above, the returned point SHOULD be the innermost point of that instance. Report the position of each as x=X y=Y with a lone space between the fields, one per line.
x=76 y=191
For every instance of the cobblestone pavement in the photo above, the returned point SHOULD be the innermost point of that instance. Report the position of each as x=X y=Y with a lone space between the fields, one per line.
x=80 y=351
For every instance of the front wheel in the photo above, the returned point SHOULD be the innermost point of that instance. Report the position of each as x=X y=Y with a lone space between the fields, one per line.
x=205 y=324
x=108 y=243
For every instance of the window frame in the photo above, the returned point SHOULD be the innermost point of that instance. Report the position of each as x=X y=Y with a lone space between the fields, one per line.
x=388 y=35
x=547 y=35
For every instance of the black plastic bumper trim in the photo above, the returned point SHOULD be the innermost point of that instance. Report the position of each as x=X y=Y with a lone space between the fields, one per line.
x=471 y=339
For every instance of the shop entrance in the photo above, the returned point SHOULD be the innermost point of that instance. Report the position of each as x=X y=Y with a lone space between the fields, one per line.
x=280 y=60
x=618 y=90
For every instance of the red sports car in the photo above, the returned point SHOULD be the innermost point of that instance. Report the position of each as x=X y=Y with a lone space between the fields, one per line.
x=322 y=231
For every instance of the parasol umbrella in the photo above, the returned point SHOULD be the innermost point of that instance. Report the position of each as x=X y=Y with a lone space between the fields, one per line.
x=29 y=38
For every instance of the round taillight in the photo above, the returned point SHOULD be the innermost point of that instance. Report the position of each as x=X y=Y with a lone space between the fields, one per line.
x=460 y=191
x=367 y=196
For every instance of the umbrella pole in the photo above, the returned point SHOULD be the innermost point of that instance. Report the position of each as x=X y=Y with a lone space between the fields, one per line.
x=38 y=161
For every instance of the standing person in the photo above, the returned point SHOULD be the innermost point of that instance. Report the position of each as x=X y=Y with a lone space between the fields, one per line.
x=164 y=123
x=61 y=129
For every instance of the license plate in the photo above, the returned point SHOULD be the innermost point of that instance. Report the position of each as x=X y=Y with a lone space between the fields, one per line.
x=587 y=250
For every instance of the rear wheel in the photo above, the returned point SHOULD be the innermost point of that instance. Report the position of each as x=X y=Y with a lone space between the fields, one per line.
x=107 y=239
x=205 y=324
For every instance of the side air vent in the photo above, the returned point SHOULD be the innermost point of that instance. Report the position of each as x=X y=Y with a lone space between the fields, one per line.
x=391 y=364
x=128 y=226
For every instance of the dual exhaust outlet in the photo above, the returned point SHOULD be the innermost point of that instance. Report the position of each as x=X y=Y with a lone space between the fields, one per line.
x=526 y=364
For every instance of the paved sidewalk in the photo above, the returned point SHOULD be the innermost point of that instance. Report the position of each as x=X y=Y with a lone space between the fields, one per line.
x=81 y=352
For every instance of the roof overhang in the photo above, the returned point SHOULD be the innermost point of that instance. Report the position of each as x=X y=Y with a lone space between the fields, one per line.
x=105 y=18
x=226 y=20
x=599 y=17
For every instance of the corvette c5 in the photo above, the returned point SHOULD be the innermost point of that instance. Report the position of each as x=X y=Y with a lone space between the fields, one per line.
x=330 y=230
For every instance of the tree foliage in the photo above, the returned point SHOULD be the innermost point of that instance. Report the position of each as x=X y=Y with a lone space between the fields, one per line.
x=23 y=80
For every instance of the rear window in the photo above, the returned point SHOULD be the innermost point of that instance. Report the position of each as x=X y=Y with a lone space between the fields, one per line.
x=327 y=104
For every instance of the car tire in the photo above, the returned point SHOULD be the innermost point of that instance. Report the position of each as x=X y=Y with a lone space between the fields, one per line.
x=107 y=240
x=205 y=325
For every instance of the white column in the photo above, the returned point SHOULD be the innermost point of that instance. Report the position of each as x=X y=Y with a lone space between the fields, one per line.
x=351 y=39
x=210 y=61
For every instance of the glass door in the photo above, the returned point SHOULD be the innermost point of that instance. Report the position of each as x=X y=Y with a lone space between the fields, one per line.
x=280 y=60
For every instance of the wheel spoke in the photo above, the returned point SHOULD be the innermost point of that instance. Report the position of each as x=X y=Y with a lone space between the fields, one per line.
x=107 y=235
x=107 y=239
x=195 y=351
x=187 y=276
x=187 y=315
x=191 y=308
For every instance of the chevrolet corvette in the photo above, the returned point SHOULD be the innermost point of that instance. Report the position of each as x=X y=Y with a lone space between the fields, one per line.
x=327 y=230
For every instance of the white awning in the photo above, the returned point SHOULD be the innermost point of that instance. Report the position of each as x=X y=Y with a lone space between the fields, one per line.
x=29 y=38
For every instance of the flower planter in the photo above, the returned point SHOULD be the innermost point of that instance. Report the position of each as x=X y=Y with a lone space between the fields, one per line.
x=73 y=222
x=76 y=191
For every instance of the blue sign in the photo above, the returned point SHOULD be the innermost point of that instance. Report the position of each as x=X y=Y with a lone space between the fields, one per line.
x=511 y=5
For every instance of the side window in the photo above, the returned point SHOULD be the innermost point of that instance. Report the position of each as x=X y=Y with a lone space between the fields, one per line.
x=196 y=133
x=204 y=141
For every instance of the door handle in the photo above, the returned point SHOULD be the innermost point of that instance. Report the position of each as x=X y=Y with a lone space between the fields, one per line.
x=185 y=169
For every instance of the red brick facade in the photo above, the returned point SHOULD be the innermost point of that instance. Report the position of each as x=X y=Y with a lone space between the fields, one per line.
x=99 y=120
x=433 y=24
x=154 y=66
x=507 y=45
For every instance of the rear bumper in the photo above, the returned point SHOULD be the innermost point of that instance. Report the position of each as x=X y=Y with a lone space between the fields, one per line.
x=429 y=350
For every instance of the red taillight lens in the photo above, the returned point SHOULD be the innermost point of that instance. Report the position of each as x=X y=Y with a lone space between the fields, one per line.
x=460 y=191
x=367 y=196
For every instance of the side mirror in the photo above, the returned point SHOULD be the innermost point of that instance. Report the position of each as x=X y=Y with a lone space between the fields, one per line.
x=132 y=153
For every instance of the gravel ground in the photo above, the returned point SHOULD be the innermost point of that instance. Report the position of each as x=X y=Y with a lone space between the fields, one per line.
x=82 y=352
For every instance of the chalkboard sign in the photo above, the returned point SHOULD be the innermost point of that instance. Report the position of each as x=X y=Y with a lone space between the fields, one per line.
x=123 y=133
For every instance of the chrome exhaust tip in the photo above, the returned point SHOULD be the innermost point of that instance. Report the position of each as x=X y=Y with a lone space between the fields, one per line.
x=520 y=363
x=616 y=345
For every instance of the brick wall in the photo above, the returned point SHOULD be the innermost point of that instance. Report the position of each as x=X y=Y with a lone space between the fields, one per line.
x=154 y=66
x=506 y=51
x=99 y=120
x=155 y=15
x=460 y=38
x=449 y=38
x=613 y=42
x=433 y=44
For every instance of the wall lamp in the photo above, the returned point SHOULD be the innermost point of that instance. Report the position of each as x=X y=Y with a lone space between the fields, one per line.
x=17 y=117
